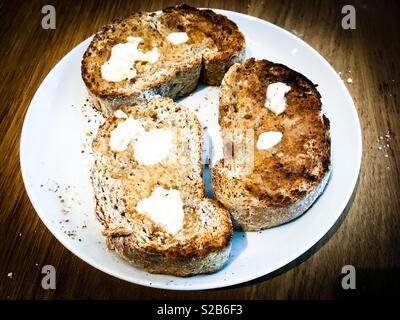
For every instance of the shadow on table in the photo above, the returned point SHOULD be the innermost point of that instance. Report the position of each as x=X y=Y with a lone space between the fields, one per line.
x=309 y=252
x=371 y=284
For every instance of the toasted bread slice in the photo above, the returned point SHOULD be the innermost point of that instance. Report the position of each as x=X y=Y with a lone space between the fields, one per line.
x=286 y=179
x=214 y=44
x=121 y=182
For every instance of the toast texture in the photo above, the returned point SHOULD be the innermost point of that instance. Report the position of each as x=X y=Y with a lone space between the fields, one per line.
x=202 y=245
x=286 y=180
x=214 y=44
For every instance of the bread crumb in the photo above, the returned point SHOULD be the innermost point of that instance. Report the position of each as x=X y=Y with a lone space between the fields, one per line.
x=384 y=145
x=300 y=35
x=71 y=233
x=10 y=275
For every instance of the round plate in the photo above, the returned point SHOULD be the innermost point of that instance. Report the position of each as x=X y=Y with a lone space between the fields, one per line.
x=55 y=162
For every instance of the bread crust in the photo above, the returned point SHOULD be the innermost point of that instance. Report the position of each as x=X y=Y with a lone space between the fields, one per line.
x=288 y=179
x=256 y=218
x=204 y=253
x=217 y=44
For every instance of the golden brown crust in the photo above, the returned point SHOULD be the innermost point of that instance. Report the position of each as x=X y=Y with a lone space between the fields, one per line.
x=295 y=167
x=177 y=266
x=215 y=43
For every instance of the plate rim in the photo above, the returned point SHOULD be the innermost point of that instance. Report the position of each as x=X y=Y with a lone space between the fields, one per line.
x=234 y=280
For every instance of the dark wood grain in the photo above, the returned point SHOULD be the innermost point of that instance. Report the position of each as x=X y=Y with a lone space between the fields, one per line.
x=368 y=237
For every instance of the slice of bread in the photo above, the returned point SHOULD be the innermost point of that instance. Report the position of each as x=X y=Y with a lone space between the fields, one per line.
x=120 y=182
x=285 y=180
x=214 y=44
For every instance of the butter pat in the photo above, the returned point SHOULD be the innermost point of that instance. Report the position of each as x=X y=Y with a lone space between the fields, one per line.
x=267 y=140
x=153 y=146
x=123 y=134
x=177 y=37
x=120 y=114
x=134 y=39
x=164 y=207
x=150 y=146
x=123 y=55
x=275 y=100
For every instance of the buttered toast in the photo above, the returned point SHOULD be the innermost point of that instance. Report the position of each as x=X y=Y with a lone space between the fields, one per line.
x=160 y=53
x=147 y=179
x=290 y=154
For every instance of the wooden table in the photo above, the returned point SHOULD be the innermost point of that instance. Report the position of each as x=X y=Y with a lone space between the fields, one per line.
x=369 y=235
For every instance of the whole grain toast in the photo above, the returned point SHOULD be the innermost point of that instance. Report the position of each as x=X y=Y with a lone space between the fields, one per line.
x=214 y=44
x=202 y=245
x=287 y=179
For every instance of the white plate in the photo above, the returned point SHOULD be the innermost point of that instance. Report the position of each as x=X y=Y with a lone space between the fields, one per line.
x=53 y=165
